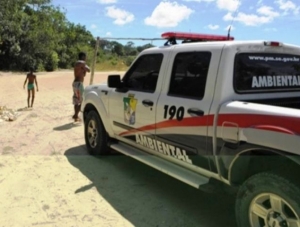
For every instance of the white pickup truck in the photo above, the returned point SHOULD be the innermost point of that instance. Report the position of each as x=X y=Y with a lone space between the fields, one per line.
x=222 y=110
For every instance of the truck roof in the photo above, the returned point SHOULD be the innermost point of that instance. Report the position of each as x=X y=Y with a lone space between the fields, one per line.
x=228 y=43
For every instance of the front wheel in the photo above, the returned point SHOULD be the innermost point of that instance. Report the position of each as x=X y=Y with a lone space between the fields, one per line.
x=96 y=138
x=268 y=200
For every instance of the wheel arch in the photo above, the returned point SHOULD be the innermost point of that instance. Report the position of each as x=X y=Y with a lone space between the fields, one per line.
x=250 y=162
x=100 y=109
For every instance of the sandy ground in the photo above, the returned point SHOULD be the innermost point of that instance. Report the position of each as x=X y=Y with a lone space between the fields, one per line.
x=47 y=178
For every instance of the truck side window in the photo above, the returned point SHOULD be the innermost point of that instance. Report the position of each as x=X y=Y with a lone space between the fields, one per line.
x=189 y=75
x=266 y=72
x=143 y=74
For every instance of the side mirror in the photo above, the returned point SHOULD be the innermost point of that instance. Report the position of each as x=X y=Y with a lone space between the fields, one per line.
x=114 y=81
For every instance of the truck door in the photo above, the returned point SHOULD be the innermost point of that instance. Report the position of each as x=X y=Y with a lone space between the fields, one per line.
x=132 y=109
x=184 y=104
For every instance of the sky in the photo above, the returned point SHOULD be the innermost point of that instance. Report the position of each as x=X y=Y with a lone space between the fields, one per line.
x=272 y=20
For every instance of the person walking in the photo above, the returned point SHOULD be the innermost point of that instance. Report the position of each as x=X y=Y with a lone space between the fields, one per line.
x=80 y=70
x=31 y=79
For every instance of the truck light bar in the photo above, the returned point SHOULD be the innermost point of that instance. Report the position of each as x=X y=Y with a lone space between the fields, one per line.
x=193 y=37
x=273 y=44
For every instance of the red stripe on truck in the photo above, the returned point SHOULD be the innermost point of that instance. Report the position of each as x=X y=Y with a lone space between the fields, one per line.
x=283 y=124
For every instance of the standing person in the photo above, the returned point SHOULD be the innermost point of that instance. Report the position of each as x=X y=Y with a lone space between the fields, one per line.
x=80 y=69
x=31 y=78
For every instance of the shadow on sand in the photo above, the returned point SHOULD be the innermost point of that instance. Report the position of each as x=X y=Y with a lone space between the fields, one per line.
x=147 y=197
x=66 y=126
x=25 y=109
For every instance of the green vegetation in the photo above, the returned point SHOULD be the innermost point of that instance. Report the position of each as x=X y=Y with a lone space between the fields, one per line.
x=34 y=33
x=115 y=56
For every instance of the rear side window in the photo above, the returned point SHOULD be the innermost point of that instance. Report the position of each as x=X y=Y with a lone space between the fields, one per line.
x=262 y=72
x=189 y=75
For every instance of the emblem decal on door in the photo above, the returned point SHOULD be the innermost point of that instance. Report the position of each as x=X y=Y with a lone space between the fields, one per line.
x=130 y=109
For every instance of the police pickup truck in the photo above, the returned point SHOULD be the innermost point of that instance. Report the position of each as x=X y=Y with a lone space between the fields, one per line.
x=222 y=110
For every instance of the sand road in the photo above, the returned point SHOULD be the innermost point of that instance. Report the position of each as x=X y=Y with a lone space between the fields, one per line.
x=48 y=179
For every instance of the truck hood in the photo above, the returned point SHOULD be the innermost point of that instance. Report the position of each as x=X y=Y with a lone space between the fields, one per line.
x=98 y=88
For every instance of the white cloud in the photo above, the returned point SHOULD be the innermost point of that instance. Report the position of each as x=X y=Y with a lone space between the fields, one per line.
x=228 y=17
x=93 y=26
x=108 y=34
x=121 y=16
x=229 y=5
x=265 y=15
x=107 y=1
x=213 y=27
x=267 y=11
x=248 y=19
x=288 y=6
x=168 y=14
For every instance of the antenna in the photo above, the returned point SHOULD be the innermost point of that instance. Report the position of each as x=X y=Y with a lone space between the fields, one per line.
x=234 y=16
x=228 y=35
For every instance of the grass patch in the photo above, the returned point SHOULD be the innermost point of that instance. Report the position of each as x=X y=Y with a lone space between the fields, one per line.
x=111 y=65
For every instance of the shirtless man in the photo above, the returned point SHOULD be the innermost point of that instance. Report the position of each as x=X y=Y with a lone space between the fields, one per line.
x=31 y=78
x=80 y=69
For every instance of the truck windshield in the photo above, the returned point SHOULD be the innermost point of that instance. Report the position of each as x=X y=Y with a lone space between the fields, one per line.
x=266 y=72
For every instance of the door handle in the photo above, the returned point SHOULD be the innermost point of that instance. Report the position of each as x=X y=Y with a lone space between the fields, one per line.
x=194 y=111
x=147 y=103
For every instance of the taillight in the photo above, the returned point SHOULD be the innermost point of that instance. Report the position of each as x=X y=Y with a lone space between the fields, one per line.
x=273 y=44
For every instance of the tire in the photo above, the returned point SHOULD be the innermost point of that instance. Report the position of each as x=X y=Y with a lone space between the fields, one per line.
x=96 y=138
x=268 y=199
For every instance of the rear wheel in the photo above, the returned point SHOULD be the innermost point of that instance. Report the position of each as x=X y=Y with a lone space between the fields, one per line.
x=96 y=138
x=268 y=200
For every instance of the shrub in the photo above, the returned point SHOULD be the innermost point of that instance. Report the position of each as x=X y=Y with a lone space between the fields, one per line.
x=51 y=63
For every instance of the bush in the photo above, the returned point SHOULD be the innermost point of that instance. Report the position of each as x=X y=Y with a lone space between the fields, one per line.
x=128 y=60
x=40 y=67
x=113 y=62
x=51 y=63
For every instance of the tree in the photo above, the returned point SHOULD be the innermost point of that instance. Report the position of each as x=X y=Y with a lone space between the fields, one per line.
x=12 y=19
x=35 y=33
x=117 y=49
x=146 y=46
x=129 y=49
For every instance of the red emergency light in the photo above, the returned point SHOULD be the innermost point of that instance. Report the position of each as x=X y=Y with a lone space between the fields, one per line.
x=193 y=37
x=273 y=44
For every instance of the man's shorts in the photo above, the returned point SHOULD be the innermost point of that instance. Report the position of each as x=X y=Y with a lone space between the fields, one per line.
x=30 y=86
x=78 y=90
